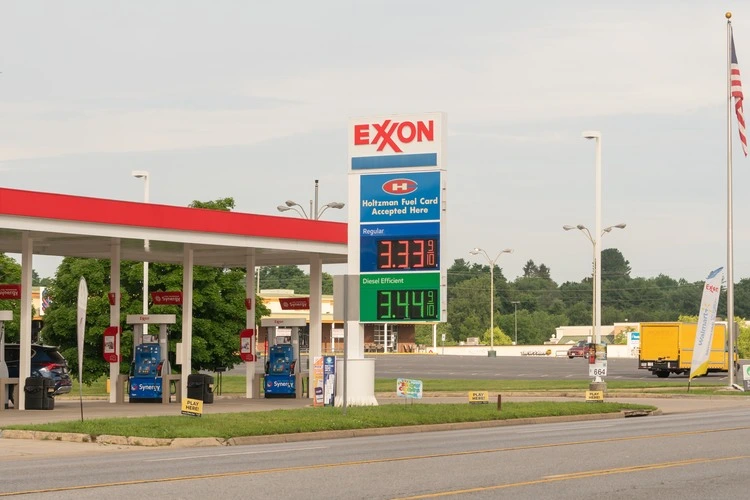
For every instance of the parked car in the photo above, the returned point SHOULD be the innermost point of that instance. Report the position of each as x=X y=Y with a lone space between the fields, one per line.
x=46 y=361
x=580 y=350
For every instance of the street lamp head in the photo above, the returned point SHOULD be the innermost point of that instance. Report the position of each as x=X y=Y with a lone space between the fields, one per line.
x=610 y=228
x=290 y=203
x=507 y=250
x=140 y=174
x=592 y=134
x=476 y=251
x=283 y=208
x=568 y=227
x=335 y=204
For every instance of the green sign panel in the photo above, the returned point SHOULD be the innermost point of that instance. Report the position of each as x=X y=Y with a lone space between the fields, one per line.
x=400 y=297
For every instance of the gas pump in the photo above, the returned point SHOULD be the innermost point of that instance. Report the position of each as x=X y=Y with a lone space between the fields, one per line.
x=150 y=361
x=280 y=380
x=282 y=373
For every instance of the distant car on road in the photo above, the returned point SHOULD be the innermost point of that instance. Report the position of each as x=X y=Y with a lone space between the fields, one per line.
x=580 y=350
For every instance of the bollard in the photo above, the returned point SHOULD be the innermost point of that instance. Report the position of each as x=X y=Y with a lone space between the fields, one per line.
x=499 y=402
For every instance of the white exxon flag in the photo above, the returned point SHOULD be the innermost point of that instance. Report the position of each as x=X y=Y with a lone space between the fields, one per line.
x=706 y=318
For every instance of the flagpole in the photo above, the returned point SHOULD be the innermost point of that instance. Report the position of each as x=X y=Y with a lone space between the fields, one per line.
x=730 y=222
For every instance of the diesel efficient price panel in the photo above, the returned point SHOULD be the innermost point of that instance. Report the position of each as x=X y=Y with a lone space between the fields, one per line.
x=400 y=297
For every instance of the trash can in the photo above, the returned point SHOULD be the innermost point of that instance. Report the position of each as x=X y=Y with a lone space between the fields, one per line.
x=49 y=392
x=195 y=386
x=40 y=393
x=208 y=389
x=200 y=386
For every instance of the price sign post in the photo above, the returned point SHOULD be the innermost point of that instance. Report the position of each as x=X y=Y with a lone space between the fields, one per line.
x=597 y=360
x=397 y=217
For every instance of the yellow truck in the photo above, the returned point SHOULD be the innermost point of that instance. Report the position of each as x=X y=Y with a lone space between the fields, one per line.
x=668 y=348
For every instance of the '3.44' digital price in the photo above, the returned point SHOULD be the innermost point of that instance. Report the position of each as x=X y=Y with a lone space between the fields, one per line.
x=407 y=305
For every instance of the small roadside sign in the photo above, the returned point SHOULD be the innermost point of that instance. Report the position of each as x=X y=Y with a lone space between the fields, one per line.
x=407 y=388
x=597 y=396
x=192 y=407
x=482 y=397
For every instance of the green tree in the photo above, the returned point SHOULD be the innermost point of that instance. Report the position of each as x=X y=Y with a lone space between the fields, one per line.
x=530 y=269
x=500 y=337
x=614 y=264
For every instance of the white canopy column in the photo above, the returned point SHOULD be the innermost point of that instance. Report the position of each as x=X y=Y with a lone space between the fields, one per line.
x=316 y=312
x=187 y=315
x=114 y=317
x=250 y=295
x=24 y=363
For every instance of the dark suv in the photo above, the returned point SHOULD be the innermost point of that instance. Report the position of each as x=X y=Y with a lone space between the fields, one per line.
x=46 y=361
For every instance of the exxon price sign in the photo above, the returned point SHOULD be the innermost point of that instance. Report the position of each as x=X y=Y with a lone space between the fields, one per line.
x=396 y=142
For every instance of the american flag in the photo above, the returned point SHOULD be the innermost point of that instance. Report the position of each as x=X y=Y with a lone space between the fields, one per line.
x=736 y=92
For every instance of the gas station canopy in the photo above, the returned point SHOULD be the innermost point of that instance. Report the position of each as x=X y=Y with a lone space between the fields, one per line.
x=76 y=226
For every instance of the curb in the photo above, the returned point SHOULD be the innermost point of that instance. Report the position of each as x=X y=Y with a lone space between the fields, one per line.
x=202 y=442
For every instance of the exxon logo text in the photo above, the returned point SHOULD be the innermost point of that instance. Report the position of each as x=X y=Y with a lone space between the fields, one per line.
x=399 y=186
x=389 y=132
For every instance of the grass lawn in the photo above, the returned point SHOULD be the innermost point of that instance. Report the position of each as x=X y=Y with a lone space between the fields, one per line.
x=228 y=425
x=235 y=384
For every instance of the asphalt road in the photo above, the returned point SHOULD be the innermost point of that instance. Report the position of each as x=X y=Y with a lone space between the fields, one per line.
x=511 y=367
x=687 y=456
x=430 y=366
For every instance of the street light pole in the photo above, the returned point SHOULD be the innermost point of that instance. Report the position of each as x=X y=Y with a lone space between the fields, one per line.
x=597 y=136
x=515 y=320
x=315 y=211
x=142 y=174
x=596 y=277
x=478 y=251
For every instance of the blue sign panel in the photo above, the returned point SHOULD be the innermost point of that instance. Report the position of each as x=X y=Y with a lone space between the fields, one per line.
x=411 y=246
x=400 y=197
x=394 y=161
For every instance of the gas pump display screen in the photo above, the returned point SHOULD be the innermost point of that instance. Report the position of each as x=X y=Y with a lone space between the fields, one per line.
x=407 y=305
x=407 y=253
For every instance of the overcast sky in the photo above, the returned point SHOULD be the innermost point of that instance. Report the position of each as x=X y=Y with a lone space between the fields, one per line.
x=251 y=99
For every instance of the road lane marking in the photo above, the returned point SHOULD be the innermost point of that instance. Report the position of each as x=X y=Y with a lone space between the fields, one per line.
x=353 y=463
x=576 y=475
x=193 y=457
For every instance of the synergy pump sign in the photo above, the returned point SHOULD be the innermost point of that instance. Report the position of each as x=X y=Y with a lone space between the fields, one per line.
x=397 y=183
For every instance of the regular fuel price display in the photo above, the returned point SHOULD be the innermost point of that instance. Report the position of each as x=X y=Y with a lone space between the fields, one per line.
x=400 y=247
x=407 y=253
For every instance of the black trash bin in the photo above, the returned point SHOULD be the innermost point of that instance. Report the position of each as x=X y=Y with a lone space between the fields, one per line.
x=40 y=393
x=208 y=389
x=195 y=386
x=200 y=386
x=49 y=394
